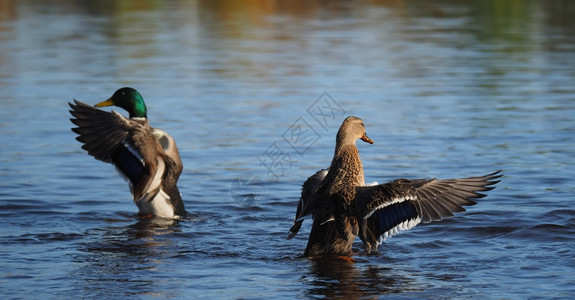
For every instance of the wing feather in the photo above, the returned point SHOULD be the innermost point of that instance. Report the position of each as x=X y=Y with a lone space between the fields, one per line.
x=386 y=209
x=123 y=142
x=306 y=201
x=99 y=131
x=147 y=157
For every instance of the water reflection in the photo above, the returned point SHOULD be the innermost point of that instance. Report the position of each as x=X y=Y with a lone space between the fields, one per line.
x=126 y=259
x=341 y=278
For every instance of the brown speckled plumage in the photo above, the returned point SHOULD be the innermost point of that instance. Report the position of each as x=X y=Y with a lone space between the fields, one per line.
x=342 y=206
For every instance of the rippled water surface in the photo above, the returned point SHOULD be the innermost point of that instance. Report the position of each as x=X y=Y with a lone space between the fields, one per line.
x=254 y=92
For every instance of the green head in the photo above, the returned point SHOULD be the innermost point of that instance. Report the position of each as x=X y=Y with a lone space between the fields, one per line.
x=128 y=99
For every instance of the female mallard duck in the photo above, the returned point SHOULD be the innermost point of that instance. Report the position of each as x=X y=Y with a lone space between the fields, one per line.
x=343 y=207
x=147 y=157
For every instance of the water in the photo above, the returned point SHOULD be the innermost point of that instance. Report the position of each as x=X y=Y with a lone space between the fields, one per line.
x=446 y=89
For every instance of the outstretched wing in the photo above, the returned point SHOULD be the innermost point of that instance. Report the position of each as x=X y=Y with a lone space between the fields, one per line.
x=100 y=132
x=386 y=209
x=112 y=138
x=305 y=204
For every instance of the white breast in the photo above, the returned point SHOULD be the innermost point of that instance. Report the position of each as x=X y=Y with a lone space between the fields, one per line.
x=159 y=206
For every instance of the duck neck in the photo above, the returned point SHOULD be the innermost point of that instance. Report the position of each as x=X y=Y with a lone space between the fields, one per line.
x=143 y=121
x=347 y=164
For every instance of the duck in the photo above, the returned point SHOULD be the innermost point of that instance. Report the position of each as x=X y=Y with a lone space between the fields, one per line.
x=343 y=207
x=146 y=157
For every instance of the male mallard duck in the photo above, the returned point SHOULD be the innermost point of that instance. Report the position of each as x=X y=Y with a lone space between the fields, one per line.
x=147 y=157
x=343 y=207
